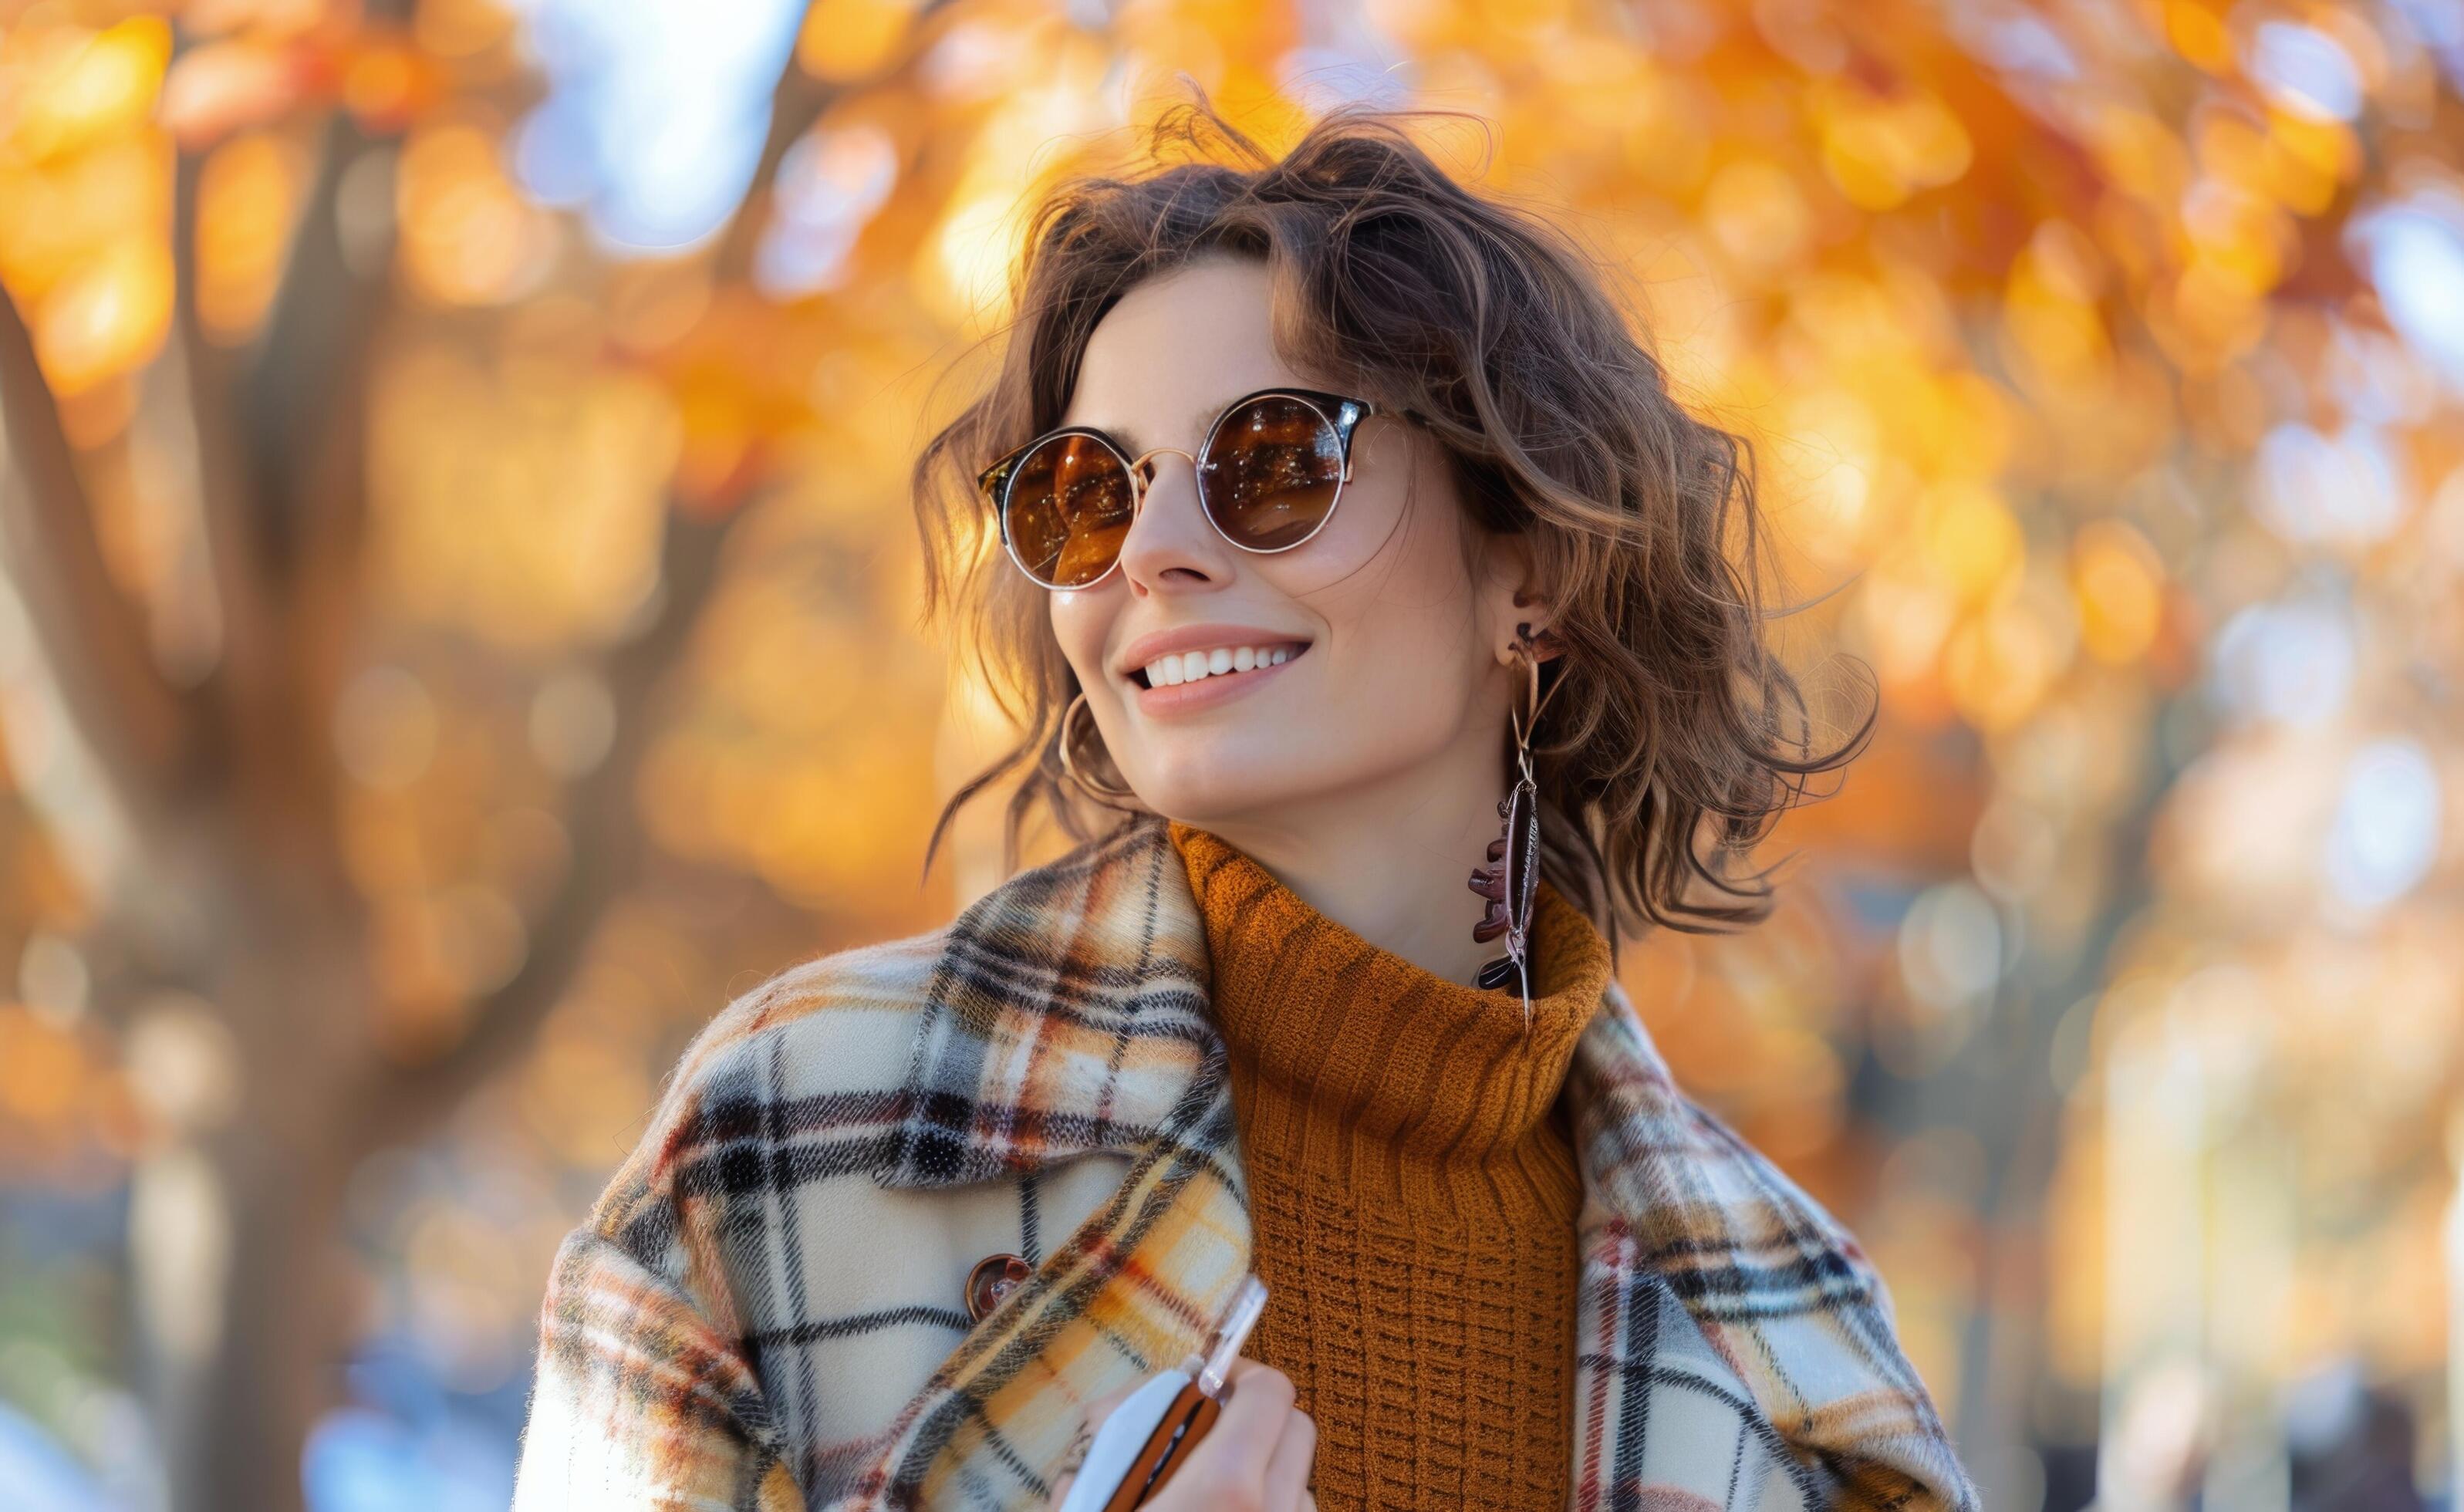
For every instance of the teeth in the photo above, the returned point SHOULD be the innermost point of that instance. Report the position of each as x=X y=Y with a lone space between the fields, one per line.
x=1188 y=667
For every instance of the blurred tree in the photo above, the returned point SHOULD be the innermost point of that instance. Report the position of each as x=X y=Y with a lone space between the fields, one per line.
x=2106 y=354
x=231 y=784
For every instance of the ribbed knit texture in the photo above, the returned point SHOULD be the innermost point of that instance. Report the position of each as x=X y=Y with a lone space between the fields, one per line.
x=1413 y=1189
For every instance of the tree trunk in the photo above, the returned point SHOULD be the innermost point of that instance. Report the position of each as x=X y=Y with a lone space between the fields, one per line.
x=244 y=1228
x=277 y=1366
x=230 y=793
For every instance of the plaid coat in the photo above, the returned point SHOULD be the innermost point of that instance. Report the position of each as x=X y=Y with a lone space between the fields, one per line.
x=766 y=1309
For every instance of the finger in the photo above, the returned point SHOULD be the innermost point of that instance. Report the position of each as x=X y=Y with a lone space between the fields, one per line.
x=1287 y=1469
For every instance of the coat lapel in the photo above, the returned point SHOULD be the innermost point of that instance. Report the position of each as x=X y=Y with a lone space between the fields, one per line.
x=1734 y=1349
x=1067 y=1016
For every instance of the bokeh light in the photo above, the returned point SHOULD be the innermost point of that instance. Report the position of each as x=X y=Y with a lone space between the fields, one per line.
x=457 y=627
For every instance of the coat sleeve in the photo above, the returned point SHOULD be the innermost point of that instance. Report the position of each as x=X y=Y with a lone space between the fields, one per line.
x=1888 y=1447
x=1841 y=1387
x=643 y=1401
x=645 y=1396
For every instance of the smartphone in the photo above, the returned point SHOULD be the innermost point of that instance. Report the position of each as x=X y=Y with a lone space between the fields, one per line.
x=1148 y=1436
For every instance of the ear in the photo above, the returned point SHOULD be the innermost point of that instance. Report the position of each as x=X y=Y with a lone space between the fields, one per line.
x=1511 y=599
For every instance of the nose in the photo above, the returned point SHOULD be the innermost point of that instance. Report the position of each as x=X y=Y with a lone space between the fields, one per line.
x=1142 y=466
x=1161 y=541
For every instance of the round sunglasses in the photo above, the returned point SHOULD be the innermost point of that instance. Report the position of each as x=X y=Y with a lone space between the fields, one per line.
x=1269 y=474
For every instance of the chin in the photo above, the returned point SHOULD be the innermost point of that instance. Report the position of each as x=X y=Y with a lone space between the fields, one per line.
x=1196 y=805
x=1204 y=800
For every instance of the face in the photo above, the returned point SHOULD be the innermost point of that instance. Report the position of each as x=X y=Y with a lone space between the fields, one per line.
x=1395 y=684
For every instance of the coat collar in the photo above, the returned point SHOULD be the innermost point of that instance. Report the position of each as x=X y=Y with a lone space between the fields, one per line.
x=1067 y=1014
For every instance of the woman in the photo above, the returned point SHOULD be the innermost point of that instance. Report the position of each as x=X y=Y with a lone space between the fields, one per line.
x=1317 y=483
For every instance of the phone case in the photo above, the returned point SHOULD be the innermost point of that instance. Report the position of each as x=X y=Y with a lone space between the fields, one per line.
x=1185 y=1423
x=1147 y=1437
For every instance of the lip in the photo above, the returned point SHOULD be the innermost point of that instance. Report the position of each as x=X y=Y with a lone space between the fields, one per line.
x=1199 y=638
x=1208 y=691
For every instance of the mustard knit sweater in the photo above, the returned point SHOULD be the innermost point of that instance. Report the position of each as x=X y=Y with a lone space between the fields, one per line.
x=1412 y=1187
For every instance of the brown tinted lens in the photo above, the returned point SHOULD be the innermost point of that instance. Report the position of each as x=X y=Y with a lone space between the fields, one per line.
x=1271 y=471
x=1069 y=508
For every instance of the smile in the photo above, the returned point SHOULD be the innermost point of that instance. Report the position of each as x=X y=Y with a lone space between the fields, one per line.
x=1176 y=668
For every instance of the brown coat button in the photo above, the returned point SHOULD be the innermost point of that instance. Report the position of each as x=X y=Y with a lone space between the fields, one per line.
x=994 y=1277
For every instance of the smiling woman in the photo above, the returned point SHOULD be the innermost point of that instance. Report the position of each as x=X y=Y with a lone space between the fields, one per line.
x=1317 y=481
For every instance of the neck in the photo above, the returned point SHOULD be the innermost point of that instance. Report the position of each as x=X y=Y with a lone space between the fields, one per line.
x=1391 y=864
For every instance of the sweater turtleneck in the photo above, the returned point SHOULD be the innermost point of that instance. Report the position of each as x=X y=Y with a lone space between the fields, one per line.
x=1412 y=1186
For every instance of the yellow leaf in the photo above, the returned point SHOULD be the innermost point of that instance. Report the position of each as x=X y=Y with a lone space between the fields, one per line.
x=95 y=88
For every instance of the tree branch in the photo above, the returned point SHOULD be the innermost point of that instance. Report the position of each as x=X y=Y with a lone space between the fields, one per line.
x=607 y=851
x=795 y=104
x=303 y=407
x=280 y=428
x=225 y=490
x=143 y=730
x=607 y=844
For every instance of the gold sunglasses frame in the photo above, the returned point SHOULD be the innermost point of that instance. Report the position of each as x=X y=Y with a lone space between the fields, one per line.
x=1341 y=413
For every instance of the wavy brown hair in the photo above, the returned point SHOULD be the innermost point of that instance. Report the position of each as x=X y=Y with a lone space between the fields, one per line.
x=1679 y=738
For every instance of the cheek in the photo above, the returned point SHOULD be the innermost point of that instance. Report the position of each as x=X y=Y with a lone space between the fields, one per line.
x=1387 y=574
x=1396 y=535
x=1402 y=676
x=1397 y=604
x=1080 y=623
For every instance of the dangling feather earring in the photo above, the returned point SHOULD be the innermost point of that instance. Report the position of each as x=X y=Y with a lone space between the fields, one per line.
x=1508 y=882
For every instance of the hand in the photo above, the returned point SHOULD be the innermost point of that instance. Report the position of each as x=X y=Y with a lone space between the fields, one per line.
x=1256 y=1459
